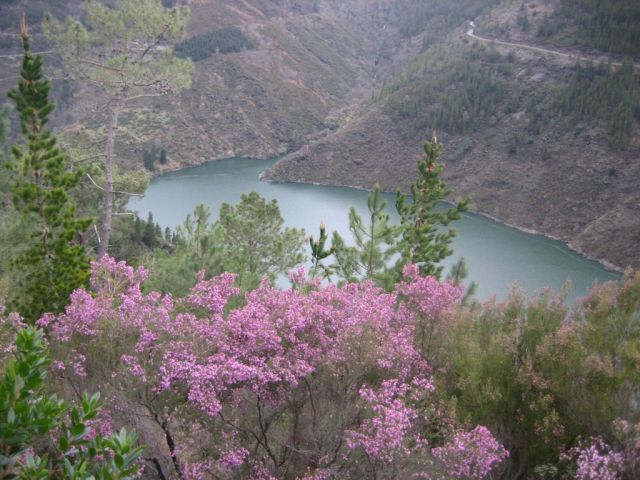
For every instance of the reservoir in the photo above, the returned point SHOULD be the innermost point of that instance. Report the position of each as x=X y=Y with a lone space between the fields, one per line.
x=497 y=256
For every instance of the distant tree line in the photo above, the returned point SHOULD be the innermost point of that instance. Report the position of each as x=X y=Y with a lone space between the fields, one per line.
x=456 y=98
x=137 y=239
x=607 y=96
x=150 y=233
x=608 y=25
x=223 y=40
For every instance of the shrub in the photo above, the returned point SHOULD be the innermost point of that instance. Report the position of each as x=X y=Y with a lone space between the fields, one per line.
x=42 y=437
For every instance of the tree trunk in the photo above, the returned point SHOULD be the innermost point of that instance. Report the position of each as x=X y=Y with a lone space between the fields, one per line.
x=107 y=201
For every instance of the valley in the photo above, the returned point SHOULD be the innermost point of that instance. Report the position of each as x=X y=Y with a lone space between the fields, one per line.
x=348 y=92
x=320 y=239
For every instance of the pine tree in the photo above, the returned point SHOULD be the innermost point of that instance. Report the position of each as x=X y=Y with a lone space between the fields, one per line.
x=4 y=127
x=4 y=186
x=149 y=232
x=457 y=275
x=375 y=243
x=163 y=156
x=255 y=242
x=319 y=253
x=423 y=241
x=119 y=49
x=148 y=159
x=53 y=263
x=136 y=235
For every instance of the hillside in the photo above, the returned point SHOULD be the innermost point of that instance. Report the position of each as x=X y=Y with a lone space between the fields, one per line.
x=349 y=91
x=304 y=68
x=534 y=140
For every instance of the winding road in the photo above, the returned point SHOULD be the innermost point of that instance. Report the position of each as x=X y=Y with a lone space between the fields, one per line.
x=470 y=33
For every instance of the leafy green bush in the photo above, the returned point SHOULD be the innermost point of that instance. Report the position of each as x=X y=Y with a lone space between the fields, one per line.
x=546 y=376
x=42 y=437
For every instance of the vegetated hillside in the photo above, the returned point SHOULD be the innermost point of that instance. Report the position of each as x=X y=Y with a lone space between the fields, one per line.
x=533 y=139
x=354 y=88
x=275 y=96
x=612 y=26
x=34 y=10
x=270 y=77
x=11 y=12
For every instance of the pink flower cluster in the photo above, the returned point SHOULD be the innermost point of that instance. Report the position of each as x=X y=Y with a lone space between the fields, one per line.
x=274 y=354
x=196 y=471
x=471 y=455
x=383 y=435
x=9 y=326
x=426 y=295
x=233 y=458
x=597 y=461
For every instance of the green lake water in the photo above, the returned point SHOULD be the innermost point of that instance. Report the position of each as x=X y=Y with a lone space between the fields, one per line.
x=497 y=256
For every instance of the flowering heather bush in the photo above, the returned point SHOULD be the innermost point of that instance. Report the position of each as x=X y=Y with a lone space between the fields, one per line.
x=10 y=324
x=471 y=454
x=595 y=460
x=332 y=383
x=381 y=435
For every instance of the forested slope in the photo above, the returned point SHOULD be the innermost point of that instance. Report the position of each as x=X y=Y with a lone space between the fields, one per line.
x=269 y=77
x=535 y=140
x=350 y=90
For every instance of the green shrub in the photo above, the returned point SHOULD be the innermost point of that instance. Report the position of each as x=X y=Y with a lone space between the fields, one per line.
x=545 y=376
x=42 y=437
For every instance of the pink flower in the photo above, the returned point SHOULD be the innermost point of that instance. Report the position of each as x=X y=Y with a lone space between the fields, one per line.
x=471 y=455
x=231 y=369
x=233 y=458
x=597 y=461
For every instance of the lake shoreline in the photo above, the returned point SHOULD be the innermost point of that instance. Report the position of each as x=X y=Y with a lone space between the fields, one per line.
x=607 y=265
x=604 y=263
